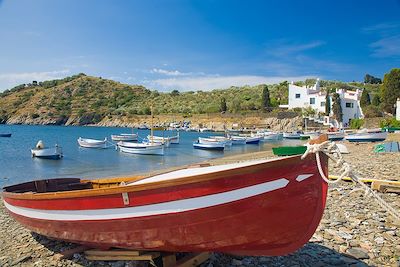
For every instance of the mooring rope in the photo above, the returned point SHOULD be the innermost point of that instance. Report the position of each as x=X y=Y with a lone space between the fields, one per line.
x=332 y=151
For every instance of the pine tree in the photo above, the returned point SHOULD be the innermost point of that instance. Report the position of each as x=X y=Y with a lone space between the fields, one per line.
x=265 y=99
x=365 y=99
x=390 y=90
x=337 y=108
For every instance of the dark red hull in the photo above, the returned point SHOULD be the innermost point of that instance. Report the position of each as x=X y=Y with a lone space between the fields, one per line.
x=271 y=208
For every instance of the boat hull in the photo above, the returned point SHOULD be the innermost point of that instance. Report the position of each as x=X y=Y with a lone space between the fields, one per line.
x=47 y=153
x=5 y=135
x=92 y=143
x=219 y=146
x=124 y=137
x=367 y=137
x=144 y=149
x=268 y=208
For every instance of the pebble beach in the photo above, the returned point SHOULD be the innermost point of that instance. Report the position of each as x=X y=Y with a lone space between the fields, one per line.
x=354 y=230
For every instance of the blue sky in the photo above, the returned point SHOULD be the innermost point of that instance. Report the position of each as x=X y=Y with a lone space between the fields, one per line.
x=197 y=45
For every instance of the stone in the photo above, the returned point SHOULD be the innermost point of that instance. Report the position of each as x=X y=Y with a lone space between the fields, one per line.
x=236 y=262
x=358 y=253
x=379 y=240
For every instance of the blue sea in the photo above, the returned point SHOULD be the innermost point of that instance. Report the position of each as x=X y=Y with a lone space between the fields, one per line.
x=17 y=165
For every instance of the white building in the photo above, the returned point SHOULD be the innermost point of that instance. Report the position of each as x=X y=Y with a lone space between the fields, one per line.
x=398 y=109
x=314 y=97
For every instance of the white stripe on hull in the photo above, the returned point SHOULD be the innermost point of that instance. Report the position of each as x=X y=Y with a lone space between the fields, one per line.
x=152 y=209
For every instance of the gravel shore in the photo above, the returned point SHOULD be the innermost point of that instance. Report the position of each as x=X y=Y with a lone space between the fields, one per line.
x=354 y=230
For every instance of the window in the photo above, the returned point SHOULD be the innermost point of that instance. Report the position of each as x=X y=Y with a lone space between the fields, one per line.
x=297 y=95
x=349 y=105
x=312 y=101
x=322 y=104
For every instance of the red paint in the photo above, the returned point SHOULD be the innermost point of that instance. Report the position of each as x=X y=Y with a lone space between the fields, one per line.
x=274 y=223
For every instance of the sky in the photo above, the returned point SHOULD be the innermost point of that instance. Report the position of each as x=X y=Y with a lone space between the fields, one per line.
x=197 y=44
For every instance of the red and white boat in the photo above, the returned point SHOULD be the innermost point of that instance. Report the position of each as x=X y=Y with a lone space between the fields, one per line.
x=264 y=207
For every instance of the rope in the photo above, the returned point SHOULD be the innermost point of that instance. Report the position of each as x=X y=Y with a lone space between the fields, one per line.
x=346 y=170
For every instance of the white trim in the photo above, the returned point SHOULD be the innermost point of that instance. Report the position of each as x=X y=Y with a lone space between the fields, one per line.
x=302 y=177
x=153 y=209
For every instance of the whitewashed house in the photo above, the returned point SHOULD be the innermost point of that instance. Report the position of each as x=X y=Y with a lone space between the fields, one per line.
x=314 y=97
x=398 y=109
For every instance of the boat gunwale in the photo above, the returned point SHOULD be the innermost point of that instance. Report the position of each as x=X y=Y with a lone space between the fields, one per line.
x=95 y=192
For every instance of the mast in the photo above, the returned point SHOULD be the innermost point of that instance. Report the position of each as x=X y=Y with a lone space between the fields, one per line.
x=151 y=125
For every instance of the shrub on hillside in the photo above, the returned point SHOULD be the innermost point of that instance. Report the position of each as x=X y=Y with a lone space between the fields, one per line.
x=356 y=123
x=372 y=112
x=389 y=122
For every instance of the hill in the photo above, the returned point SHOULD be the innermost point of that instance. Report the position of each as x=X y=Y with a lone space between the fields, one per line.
x=82 y=99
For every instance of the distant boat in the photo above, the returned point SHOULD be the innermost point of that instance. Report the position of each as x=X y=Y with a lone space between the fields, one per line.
x=92 y=143
x=209 y=145
x=272 y=136
x=40 y=151
x=335 y=136
x=238 y=140
x=124 y=137
x=293 y=135
x=141 y=148
x=253 y=140
x=5 y=135
x=167 y=140
x=371 y=135
x=310 y=135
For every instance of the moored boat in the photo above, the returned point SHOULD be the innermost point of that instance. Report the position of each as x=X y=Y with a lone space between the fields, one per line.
x=209 y=145
x=372 y=135
x=272 y=207
x=253 y=139
x=124 y=137
x=293 y=135
x=215 y=139
x=238 y=140
x=141 y=148
x=92 y=143
x=272 y=136
x=40 y=151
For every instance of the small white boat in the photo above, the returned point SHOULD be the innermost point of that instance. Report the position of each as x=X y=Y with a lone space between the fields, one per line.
x=40 y=151
x=335 y=136
x=159 y=140
x=272 y=136
x=372 y=135
x=209 y=146
x=215 y=139
x=124 y=137
x=253 y=139
x=92 y=143
x=238 y=140
x=141 y=148
x=293 y=135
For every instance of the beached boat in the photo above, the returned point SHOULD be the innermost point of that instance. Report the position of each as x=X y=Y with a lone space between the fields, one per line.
x=265 y=207
x=371 y=135
x=40 y=151
x=289 y=150
x=209 y=145
x=293 y=135
x=310 y=135
x=141 y=148
x=124 y=137
x=92 y=143
x=335 y=136
x=5 y=135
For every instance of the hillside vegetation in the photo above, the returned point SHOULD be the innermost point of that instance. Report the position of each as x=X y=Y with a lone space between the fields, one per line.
x=82 y=99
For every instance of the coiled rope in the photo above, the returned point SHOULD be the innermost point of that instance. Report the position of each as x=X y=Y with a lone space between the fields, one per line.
x=332 y=151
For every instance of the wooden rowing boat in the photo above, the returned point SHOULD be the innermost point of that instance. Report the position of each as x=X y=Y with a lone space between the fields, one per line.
x=265 y=207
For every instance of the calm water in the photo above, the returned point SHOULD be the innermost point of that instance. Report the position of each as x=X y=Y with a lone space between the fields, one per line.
x=17 y=165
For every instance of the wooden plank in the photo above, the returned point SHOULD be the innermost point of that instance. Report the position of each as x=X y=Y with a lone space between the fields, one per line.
x=366 y=180
x=145 y=257
x=113 y=252
x=193 y=260
x=169 y=260
x=67 y=254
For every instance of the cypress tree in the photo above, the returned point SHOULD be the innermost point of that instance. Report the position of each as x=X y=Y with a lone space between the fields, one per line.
x=223 y=106
x=327 y=103
x=337 y=108
x=390 y=90
x=265 y=99
x=365 y=99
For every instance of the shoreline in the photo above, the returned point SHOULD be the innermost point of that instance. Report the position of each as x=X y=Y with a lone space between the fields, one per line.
x=354 y=231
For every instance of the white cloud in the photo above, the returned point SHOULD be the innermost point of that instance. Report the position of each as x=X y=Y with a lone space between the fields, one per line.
x=219 y=82
x=167 y=72
x=9 y=80
x=282 y=49
x=386 y=47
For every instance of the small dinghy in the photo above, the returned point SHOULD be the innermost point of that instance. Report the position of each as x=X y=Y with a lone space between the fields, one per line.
x=124 y=137
x=238 y=140
x=216 y=139
x=5 y=135
x=141 y=148
x=367 y=135
x=43 y=152
x=253 y=139
x=92 y=143
x=209 y=145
